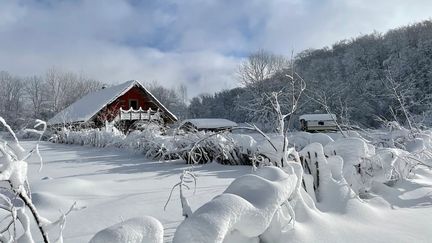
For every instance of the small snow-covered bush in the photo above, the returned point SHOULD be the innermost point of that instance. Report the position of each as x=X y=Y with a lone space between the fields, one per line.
x=144 y=229
x=224 y=148
x=93 y=137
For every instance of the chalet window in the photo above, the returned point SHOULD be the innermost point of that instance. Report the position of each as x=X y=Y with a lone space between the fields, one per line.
x=133 y=104
x=321 y=123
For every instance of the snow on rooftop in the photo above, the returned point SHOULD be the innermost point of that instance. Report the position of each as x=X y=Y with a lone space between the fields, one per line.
x=318 y=117
x=210 y=123
x=88 y=106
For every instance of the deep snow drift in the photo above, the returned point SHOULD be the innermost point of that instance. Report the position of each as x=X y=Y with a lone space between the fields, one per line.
x=111 y=186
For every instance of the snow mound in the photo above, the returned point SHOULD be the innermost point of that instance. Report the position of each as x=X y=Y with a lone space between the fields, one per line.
x=301 y=139
x=135 y=230
x=245 y=142
x=245 y=210
x=352 y=150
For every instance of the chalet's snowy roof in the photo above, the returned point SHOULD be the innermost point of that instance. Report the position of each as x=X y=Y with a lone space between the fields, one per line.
x=318 y=117
x=210 y=123
x=88 y=106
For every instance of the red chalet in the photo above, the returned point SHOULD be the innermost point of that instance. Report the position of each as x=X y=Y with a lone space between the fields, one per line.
x=123 y=104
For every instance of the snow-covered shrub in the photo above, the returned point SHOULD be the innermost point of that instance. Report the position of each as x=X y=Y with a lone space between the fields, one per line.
x=150 y=142
x=349 y=159
x=144 y=229
x=356 y=154
x=223 y=149
x=398 y=151
x=355 y=161
x=93 y=137
x=197 y=147
x=247 y=209
x=390 y=164
x=396 y=136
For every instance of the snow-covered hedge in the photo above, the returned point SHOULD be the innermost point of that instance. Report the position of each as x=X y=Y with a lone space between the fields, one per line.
x=198 y=147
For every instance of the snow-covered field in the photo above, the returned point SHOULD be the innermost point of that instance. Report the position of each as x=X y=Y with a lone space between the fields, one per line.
x=113 y=185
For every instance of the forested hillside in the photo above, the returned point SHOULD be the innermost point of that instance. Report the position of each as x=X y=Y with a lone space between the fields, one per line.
x=362 y=80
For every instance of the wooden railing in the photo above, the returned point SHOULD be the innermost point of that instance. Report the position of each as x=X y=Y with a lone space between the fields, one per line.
x=139 y=114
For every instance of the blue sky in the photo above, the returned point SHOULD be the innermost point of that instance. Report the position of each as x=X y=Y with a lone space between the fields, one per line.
x=195 y=42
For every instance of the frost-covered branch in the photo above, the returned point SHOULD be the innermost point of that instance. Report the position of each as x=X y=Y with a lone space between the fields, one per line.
x=185 y=178
x=16 y=198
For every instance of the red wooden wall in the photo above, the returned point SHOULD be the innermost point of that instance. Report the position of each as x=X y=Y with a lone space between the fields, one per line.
x=134 y=93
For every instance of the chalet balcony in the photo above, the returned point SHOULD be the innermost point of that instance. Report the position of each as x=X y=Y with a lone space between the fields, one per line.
x=140 y=114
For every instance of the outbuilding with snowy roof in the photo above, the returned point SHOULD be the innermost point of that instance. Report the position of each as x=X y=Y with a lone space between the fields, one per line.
x=207 y=124
x=318 y=122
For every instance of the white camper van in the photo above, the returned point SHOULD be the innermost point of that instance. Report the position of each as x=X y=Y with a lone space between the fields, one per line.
x=318 y=122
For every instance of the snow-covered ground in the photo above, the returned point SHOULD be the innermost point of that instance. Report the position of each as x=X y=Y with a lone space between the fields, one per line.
x=115 y=185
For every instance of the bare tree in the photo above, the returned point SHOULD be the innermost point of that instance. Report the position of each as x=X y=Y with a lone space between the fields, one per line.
x=174 y=99
x=297 y=87
x=64 y=88
x=54 y=89
x=11 y=97
x=34 y=88
x=259 y=66
x=400 y=92
x=275 y=101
